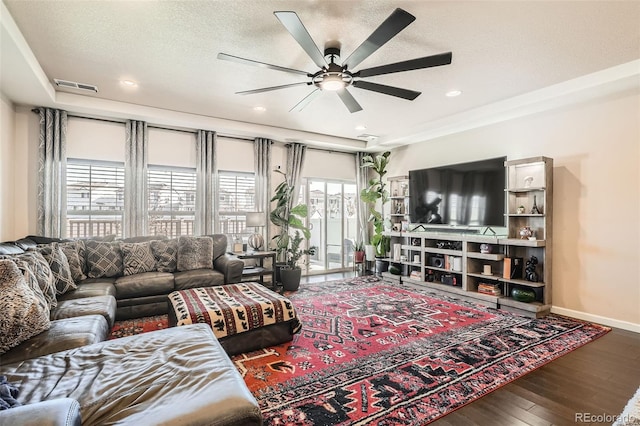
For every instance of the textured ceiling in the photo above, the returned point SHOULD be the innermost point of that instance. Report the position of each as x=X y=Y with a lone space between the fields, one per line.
x=500 y=50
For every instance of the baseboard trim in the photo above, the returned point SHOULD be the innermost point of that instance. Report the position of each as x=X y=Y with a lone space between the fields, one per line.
x=610 y=322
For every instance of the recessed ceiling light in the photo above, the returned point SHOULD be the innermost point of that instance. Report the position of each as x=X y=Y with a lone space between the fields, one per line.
x=453 y=93
x=259 y=108
x=129 y=83
x=361 y=127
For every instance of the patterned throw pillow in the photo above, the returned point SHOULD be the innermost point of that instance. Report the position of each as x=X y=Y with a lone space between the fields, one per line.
x=137 y=258
x=32 y=281
x=22 y=315
x=166 y=254
x=42 y=271
x=59 y=267
x=195 y=253
x=104 y=259
x=75 y=265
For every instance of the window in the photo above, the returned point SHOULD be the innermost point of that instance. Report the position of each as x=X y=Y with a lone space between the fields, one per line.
x=236 y=196
x=95 y=198
x=172 y=200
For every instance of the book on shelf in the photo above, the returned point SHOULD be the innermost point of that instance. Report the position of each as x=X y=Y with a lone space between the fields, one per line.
x=490 y=289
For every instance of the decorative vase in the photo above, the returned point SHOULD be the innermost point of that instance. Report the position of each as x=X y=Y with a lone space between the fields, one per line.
x=369 y=251
x=525 y=233
x=358 y=256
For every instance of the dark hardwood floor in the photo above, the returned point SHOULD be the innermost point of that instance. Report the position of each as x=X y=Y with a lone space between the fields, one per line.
x=590 y=383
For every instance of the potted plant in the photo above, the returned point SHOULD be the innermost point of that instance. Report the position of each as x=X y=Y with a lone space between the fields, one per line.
x=290 y=273
x=358 y=252
x=288 y=250
x=374 y=193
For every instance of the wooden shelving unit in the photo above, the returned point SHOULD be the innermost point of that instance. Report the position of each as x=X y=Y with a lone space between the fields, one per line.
x=454 y=262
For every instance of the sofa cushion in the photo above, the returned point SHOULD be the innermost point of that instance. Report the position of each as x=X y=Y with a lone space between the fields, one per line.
x=145 y=284
x=10 y=248
x=23 y=315
x=197 y=278
x=173 y=376
x=137 y=258
x=104 y=259
x=63 y=334
x=59 y=267
x=91 y=287
x=97 y=305
x=166 y=254
x=42 y=271
x=219 y=245
x=76 y=266
x=194 y=253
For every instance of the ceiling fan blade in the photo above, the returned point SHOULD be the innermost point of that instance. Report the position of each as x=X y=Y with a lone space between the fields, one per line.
x=305 y=101
x=387 y=90
x=413 y=64
x=395 y=23
x=294 y=25
x=268 y=89
x=349 y=101
x=239 y=60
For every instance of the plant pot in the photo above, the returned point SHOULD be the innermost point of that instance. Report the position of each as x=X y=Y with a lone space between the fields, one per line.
x=290 y=278
x=358 y=256
x=381 y=266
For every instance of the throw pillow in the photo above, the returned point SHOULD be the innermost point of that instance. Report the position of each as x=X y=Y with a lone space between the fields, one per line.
x=137 y=258
x=104 y=259
x=42 y=271
x=166 y=254
x=75 y=265
x=32 y=281
x=22 y=316
x=59 y=267
x=195 y=253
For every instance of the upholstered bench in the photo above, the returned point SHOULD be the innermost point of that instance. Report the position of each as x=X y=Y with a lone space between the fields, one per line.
x=244 y=317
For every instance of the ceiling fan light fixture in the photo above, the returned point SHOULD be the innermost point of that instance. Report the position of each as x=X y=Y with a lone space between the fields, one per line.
x=332 y=83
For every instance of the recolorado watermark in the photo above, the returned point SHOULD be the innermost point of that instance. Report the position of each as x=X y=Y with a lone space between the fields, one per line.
x=604 y=418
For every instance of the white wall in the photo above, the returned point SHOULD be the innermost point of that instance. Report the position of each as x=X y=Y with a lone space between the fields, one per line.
x=27 y=133
x=596 y=242
x=7 y=169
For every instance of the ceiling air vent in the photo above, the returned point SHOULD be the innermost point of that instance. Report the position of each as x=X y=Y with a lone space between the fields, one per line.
x=74 y=85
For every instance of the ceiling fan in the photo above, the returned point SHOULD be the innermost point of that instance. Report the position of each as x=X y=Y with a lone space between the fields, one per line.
x=338 y=77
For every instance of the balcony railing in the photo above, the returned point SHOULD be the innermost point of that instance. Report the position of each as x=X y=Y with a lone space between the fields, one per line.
x=172 y=228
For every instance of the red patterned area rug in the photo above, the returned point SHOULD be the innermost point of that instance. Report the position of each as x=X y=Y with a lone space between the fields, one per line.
x=374 y=353
x=138 y=325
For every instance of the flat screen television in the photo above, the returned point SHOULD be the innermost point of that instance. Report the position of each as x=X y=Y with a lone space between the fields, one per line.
x=465 y=194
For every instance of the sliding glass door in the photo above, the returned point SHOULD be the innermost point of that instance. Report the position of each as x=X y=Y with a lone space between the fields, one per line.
x=333 y=223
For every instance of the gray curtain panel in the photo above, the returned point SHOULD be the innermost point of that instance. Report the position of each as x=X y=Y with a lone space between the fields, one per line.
x=206 y=175
x=295 y=160
x=262 y=163
x=362 y=182
x=135 y=180
x=52 y=169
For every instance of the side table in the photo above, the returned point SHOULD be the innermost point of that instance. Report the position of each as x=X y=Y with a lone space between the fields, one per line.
x=259 y=270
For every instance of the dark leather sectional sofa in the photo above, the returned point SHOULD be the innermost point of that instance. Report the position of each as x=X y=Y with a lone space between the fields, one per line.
x=71 y=373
